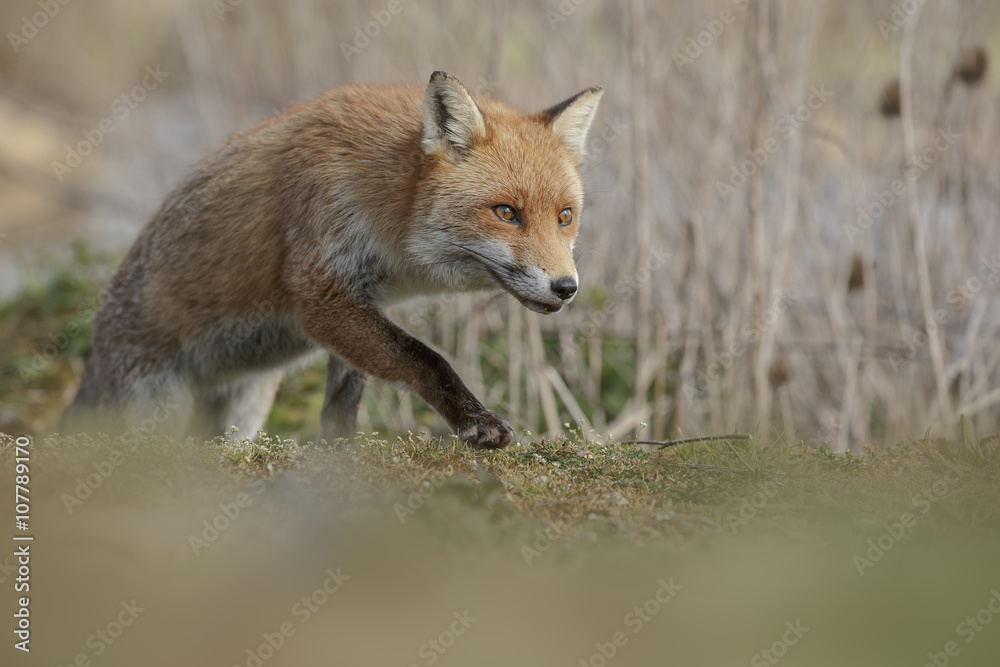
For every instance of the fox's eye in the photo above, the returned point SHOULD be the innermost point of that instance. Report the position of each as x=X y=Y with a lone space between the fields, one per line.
x=506 y=213
x=565 y=217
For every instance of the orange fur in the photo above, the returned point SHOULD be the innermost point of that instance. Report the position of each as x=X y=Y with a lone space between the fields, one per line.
x=291 y=237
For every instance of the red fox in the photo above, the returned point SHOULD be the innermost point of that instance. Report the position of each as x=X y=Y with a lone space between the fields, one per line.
x=290 y=238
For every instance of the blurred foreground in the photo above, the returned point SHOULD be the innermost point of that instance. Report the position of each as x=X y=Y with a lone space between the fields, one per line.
x=157 y=553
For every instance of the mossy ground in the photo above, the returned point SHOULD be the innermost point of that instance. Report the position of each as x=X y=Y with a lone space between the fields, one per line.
x=548 y=544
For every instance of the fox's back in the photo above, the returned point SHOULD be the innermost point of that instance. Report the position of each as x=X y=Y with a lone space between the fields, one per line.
x=219 y=242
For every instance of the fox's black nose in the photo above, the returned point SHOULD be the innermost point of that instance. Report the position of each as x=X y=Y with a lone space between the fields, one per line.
x=564 y=288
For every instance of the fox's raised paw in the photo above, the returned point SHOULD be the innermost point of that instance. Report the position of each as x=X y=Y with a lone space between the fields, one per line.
x=486 y=430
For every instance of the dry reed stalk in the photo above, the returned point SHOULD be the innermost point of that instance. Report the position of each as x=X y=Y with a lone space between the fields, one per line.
x=849 y=398
x=701 y=310
x=787 y=416
x=660 y=381
x=759 y=38
x=628 y=422
x=538 y=363
x=792 y=179
x=640 y=147
x=686 y=386
x=571 y=361
x=595 y=361
x=567 y=398
x=469 y=355
x=913 y=207
x=515 y=355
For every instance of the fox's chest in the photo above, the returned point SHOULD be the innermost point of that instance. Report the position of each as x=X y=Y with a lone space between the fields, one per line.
x=415 y=282
x=377 y=272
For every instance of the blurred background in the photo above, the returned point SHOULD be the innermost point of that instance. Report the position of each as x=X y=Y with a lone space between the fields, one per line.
x=791 y=225
x=791 y=228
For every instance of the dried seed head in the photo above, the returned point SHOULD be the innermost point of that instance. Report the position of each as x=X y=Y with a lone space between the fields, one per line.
x=778 y=374
x=889 y=104
x=971 y=66
x=857 y=279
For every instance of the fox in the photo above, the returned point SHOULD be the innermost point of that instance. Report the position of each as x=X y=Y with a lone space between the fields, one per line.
x=291 y=239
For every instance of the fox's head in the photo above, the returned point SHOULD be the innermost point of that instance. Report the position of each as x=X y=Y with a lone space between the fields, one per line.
x=503 y=192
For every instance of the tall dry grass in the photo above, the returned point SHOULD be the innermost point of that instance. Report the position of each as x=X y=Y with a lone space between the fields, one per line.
x=761 y=305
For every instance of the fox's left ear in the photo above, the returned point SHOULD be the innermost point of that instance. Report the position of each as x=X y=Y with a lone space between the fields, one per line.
x=452 y=121
x=571 y=119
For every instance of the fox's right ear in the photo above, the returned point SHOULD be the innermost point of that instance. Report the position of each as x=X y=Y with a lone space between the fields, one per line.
x=452 y=121
x=571 y=119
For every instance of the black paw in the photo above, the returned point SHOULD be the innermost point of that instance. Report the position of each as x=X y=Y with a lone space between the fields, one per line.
x=486 y=430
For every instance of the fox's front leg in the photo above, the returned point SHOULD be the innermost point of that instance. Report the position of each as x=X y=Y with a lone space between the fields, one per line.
x=344 y=385
x=367 y=340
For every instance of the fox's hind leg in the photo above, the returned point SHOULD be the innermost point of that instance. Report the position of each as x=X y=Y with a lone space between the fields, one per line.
x=344 y=385
x=244 y=404
x=82 y=415
x=160 y=403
